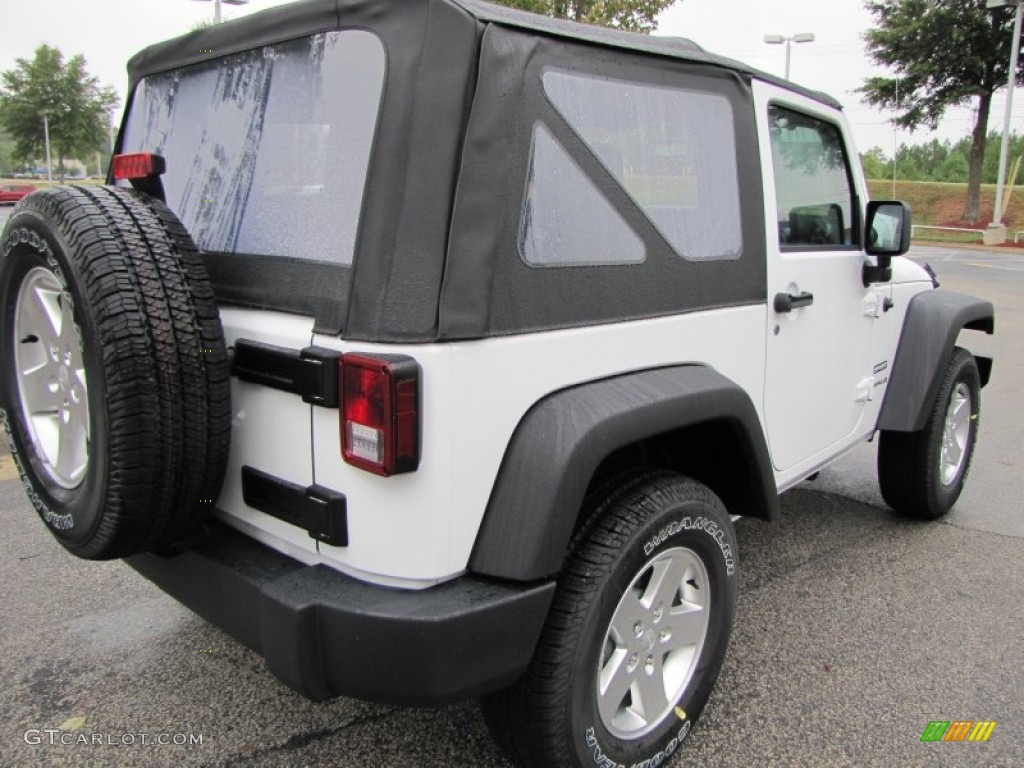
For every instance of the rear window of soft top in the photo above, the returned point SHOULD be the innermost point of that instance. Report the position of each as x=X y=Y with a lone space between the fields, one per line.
x=267 y=150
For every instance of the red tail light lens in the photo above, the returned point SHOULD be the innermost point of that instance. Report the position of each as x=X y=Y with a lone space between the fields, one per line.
x=137 y=166
x=380 y=419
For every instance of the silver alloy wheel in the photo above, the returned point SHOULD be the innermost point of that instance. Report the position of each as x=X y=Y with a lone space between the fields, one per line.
x=955 y=434
x=51 y=377
x=652 y=644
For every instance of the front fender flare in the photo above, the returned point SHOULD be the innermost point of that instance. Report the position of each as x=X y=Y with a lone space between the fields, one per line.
x=562 y=440
x=934 y=320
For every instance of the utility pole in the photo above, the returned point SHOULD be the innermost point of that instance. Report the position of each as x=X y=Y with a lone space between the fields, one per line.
x=996 y=227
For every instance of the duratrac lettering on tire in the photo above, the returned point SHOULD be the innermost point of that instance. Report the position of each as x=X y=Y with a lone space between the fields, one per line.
x=656 y=555
x=114 y=380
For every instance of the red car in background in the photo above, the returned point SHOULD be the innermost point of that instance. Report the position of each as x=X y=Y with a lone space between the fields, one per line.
x=12 y=193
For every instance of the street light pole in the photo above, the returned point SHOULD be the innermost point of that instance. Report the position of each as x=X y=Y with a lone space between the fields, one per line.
x=216 y=7
x=46 y=135
x=997 y=213
x=802 y=37
x=895 y=140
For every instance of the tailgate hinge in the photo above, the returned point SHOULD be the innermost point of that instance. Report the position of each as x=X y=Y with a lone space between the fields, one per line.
x=321 y=512
x=311 y=372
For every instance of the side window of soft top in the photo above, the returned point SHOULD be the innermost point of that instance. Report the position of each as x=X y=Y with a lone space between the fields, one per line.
x=671 y=149
x=813 y=189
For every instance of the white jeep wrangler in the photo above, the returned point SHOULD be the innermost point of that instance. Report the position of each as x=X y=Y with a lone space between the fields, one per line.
x=427 y=348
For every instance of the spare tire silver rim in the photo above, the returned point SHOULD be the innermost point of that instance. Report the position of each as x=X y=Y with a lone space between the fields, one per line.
x=51 y=378
x=653 y=642
x=955 y=434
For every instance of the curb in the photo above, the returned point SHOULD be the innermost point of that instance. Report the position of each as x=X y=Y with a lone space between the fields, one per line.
x=970 y=247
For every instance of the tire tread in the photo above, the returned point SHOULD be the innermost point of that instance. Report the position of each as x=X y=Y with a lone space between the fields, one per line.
x=162 y=359
x=527 y=718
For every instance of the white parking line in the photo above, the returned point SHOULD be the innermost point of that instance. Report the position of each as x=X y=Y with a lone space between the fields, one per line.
x=1013 y=266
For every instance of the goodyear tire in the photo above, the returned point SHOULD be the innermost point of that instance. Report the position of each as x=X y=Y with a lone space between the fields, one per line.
x=636 y=635
x=922 y=473
x=114 y=390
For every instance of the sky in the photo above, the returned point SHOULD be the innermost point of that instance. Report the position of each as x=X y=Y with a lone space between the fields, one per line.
x=835 y=62
x=108 y=32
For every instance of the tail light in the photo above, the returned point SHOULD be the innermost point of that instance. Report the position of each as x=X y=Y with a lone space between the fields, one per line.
x=137 y=166
x=380 y=413
x=143 y=170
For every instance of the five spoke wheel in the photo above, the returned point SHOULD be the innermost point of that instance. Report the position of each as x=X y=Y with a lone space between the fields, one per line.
x=653 y=642
x=955 y=434
x=51 y=377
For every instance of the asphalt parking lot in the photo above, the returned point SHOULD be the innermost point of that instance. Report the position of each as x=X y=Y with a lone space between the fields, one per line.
x=855 y=628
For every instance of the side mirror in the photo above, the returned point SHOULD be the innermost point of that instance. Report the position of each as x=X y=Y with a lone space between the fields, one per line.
x=887 y=231
x=888 y=228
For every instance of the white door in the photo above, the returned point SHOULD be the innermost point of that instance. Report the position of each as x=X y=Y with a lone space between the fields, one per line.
x=819 y=320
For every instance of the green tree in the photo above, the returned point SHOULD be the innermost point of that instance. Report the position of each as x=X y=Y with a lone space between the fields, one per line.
x=991 y=165
x=74 y=102
x=634 y=15
x=876 y=164
x=944 y=53
x=954 y=169
x=908 y=164
x=931 y=159
x=6 y=154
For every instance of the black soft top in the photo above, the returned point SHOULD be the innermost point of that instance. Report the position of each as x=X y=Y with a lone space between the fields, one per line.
x=436 y=257
x=304 y=17
x=659 y=45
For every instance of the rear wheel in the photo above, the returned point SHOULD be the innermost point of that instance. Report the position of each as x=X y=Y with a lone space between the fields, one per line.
x=636 y=635
x=923 y=473
x=113 y=370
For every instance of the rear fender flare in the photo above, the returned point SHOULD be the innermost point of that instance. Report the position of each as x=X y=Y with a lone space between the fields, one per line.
x=562 y=440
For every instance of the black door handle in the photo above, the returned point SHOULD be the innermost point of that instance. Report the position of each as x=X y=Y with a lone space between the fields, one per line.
x=787 y=302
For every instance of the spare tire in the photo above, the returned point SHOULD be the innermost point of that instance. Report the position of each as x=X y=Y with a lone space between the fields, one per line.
x=114 y=379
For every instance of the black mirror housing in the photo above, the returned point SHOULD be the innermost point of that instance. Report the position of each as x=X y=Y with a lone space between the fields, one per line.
x=888 y=229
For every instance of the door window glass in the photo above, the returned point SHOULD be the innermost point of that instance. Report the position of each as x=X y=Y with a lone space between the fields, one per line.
x=813 y=193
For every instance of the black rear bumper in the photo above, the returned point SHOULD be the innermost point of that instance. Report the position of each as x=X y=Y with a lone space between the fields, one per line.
x=326 y=634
